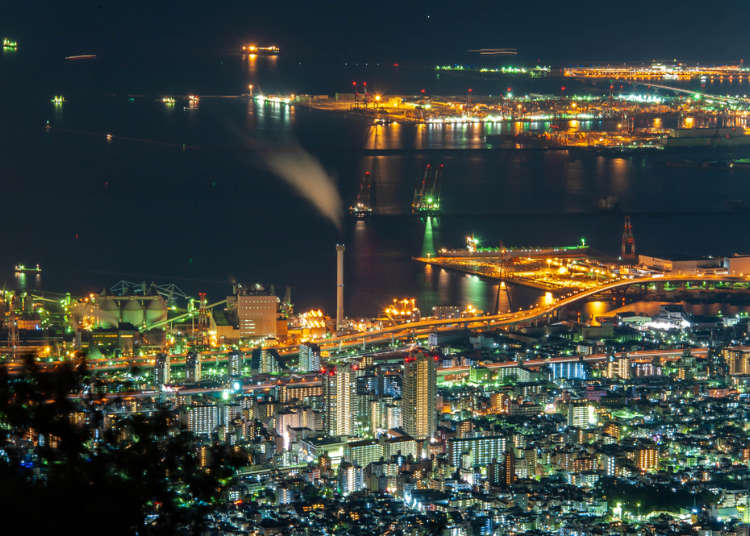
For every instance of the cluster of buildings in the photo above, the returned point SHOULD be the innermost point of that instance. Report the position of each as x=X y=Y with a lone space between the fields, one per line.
x=536 y=432
x=636 y=424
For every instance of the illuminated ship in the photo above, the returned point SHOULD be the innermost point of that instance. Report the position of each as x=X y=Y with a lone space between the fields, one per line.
x=713 y=138
x=9 y=43
x=79 y=57
x=426 y=201
x=363 y=204
x=22 y=269
x=272 y=50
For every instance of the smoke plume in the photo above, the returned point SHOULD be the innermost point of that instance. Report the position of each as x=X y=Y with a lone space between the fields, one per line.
x=305 y=174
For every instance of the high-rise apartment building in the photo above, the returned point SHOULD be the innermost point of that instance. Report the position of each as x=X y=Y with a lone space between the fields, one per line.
x=510 y=468
x=619 y=367
x=203 y=420
x=268 y=363
x=582 y=414
x=193 y=367
x=162 y=370
x=338 y=389
x=478 y=451
x=737 y=359
x=234 y=363
x=418 y=409
x=647 y=459
x=309 y=357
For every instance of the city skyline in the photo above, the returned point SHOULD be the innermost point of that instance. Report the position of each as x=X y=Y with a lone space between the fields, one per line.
x=375 y=269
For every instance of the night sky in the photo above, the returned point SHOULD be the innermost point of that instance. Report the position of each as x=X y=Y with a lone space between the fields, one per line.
x=553 y=31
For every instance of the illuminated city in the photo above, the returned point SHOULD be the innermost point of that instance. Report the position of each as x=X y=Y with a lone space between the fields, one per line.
x=415 y=271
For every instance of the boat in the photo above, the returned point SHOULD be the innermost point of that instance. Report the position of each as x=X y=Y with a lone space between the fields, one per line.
x=360 y=211
x=362 y=208
x=608 y=204
x=9 y=43
x=79 y=57
x=519 y=141
x=23 y=269
x=271 y=50
x=426 y=200
x=706 y=137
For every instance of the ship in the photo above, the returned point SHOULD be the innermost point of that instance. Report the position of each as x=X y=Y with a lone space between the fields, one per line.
x=363 y=205
x=23 y=269
x=79 y=57
x=426 y=200
x=519 y=141
x=271 y=50
x=608 y=204
x=712 y=138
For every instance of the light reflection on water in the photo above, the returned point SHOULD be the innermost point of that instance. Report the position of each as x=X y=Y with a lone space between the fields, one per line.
x=603 y=308
x=592 y=310
x=501 y=194
x=467 y=135
x=428 y=244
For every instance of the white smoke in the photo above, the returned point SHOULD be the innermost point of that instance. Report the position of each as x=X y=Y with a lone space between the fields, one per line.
x=307 y=176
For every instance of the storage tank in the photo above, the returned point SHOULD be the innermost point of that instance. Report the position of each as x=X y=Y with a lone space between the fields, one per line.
x=156 y=310
x=132 y=313
x=109 y=312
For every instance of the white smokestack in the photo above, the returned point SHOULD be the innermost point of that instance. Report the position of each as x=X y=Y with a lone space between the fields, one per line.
x=340 y=286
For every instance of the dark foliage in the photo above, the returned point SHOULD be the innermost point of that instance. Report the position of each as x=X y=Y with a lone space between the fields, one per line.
x=116 y=475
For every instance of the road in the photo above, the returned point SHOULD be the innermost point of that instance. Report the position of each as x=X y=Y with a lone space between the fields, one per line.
x=424 y=327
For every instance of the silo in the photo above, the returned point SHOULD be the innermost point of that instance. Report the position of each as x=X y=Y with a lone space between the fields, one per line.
x=109 y=312
x=156 y=310
x=132 y=312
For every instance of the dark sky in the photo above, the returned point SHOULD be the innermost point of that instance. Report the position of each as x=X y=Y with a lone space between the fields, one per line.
x=555 y=32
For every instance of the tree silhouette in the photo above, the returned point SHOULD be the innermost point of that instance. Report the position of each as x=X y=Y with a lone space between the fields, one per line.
x=64 y=465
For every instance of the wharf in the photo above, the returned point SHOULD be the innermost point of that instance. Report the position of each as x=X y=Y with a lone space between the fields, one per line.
x=539 y=268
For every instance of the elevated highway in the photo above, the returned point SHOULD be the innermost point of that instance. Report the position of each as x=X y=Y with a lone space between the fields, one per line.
x=534 y=313
x=421 y=328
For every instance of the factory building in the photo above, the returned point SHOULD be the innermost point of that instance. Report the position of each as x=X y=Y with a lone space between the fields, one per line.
x=256 y=312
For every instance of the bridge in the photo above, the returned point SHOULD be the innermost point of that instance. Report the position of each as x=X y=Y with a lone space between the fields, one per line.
x=427 y=326
x=412 y=330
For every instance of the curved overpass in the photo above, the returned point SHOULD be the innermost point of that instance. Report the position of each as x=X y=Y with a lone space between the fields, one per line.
x=504 y=319
x=424 y=327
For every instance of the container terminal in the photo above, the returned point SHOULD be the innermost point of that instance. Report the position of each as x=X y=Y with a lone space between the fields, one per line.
x=613 y=121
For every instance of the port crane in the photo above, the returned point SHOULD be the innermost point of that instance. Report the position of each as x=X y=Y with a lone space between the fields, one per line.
x=365 y=201
x=191 y=314
x=426 y=200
